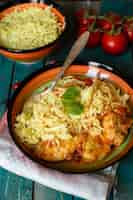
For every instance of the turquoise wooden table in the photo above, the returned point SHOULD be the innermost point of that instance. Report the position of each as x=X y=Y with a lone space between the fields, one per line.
x=13 y=187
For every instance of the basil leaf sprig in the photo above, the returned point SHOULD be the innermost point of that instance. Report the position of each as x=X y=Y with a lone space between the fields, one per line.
x=71 y=101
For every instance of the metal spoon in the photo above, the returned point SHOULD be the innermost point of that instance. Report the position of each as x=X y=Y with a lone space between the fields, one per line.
x=74 y=52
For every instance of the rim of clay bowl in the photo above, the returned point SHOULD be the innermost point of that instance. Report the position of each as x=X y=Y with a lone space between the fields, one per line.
x=67 y=166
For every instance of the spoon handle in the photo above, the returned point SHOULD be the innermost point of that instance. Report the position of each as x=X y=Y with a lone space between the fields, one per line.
x=74 y=52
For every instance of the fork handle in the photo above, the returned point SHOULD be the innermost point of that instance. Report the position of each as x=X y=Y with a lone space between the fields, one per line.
x=74 y=52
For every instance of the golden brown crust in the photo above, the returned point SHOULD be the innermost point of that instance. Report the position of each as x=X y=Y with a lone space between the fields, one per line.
x=55 y=150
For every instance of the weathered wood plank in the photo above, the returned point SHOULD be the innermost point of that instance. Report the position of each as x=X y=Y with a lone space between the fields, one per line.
x=5 y=74
x=13 y=187
x=45 y=193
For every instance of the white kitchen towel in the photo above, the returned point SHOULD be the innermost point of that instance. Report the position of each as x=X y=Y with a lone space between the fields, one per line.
x=87 y=186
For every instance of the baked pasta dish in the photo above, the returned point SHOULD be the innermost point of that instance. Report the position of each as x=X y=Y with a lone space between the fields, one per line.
x=80 y=119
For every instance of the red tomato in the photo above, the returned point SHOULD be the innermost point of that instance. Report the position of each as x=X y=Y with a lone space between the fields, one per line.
x=114 y=18
x=82 y=29
x=114 y=44
x=128 y=21
x=109 y=20
x=15 y=85
x=130 y=34
x=91 y=20
x=84 y=22
x=94 y=38
x=88 y=81
x=104 y=24
x=87 y=21
x=128 y=29
x=79 y=14
x=82 y=16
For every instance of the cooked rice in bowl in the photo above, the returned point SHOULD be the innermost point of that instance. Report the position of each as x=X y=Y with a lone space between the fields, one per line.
x=81 y=119
x=29 y=28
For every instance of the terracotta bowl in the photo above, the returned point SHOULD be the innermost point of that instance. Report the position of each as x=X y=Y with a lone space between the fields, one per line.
x=33 y=83
x=37 y=53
